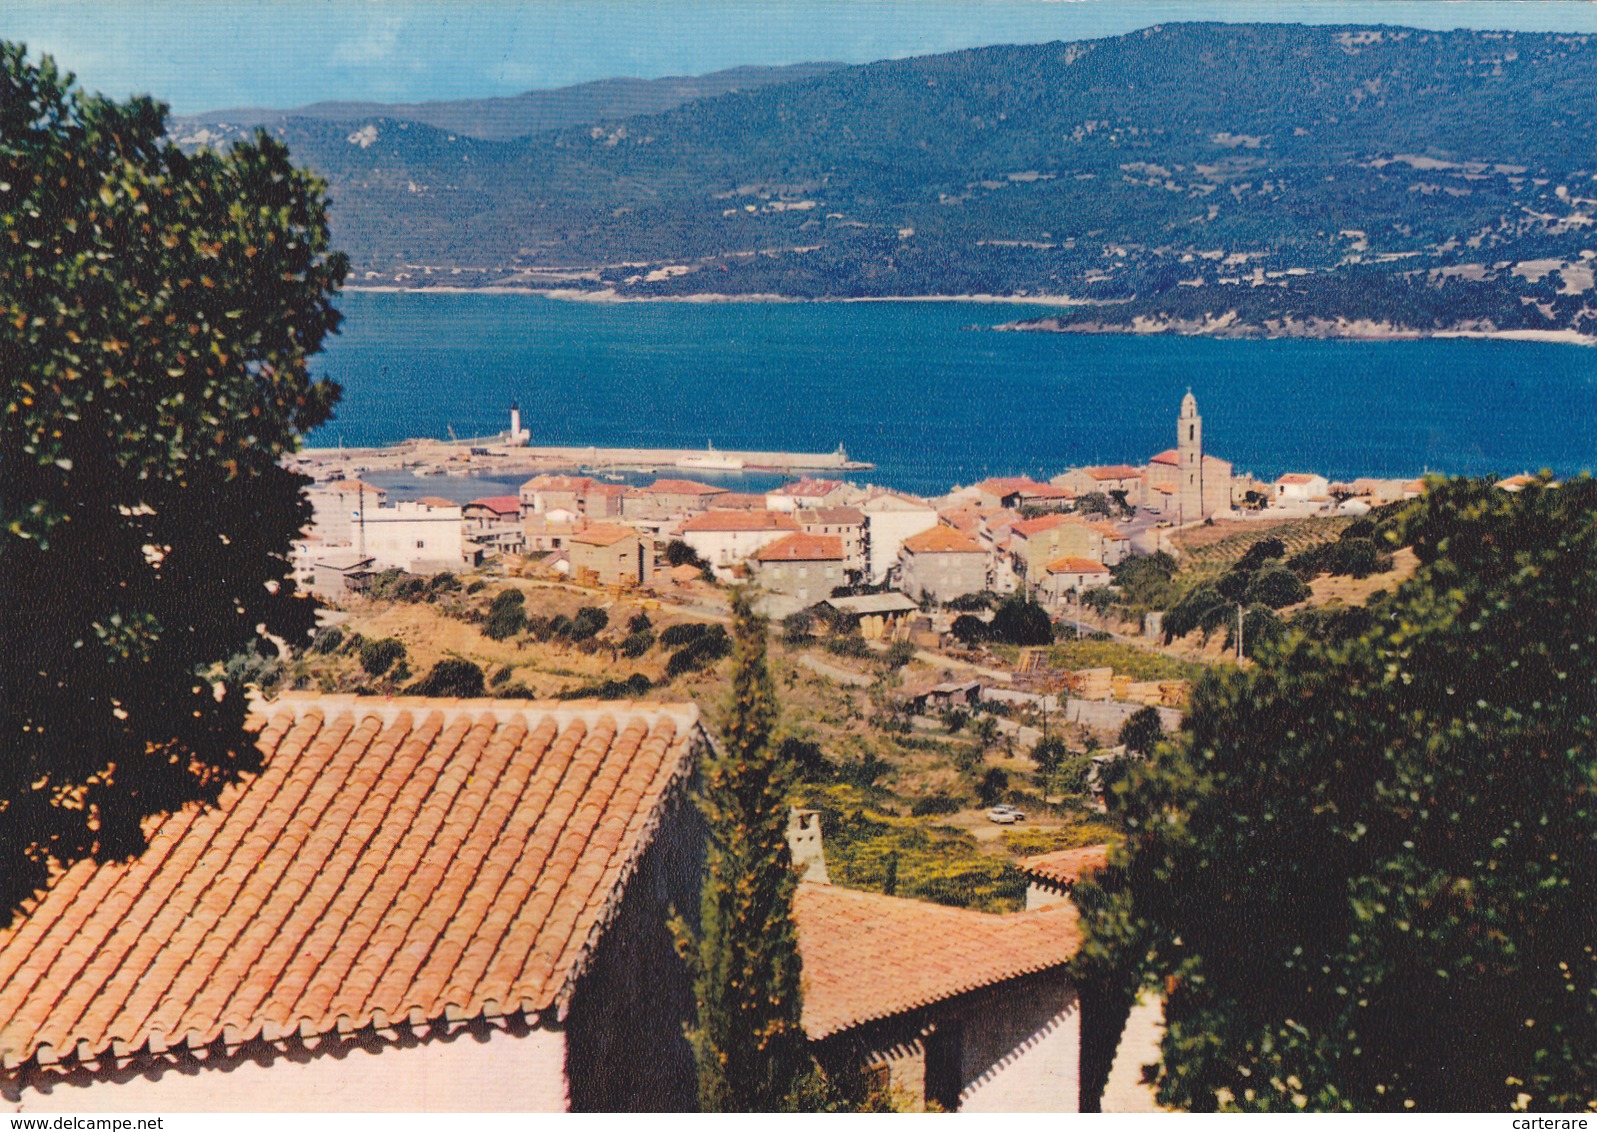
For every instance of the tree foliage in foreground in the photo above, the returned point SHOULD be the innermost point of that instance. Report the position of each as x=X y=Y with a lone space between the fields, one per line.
x=157 y=312
x=748 y=1038
x=1369 y=865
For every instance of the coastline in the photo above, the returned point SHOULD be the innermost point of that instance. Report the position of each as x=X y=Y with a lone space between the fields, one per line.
x=1224 y=327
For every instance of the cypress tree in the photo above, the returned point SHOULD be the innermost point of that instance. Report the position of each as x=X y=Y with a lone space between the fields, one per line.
x=748 y=1038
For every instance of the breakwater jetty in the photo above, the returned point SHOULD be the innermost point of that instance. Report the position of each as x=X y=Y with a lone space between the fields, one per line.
x=436 y=457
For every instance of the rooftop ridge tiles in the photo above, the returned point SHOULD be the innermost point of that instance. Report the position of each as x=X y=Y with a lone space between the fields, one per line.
x=288 y=861
x=214 y=1007
x=147 y=943
x=438 y=739
x=395 y=991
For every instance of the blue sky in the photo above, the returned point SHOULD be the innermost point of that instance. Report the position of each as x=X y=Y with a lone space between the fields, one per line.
x=212 y=54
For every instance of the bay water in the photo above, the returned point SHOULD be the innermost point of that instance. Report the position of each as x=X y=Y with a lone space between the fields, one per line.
x=934 y=397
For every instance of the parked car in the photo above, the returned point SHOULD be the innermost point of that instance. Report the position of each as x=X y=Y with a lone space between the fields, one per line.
x=1006 y=815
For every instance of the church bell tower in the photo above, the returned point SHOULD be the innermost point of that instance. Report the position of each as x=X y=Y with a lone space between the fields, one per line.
x=1189 y=451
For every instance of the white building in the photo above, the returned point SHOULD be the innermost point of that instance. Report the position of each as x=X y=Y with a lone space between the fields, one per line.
x=1302 y=487
x=727 y=538
x=419 y=537
x=889 y=520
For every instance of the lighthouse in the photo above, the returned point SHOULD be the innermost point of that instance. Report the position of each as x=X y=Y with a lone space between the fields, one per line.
x=517 y=435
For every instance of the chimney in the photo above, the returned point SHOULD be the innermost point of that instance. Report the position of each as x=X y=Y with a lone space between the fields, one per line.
x=804 y=843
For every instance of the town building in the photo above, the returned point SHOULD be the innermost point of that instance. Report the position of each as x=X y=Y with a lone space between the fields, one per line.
x=415 y=905
x=969 y=1011
x=798 y=570
x=337 y=572
x=728 y=538
x=808 y=493
x=1302 y=487
x=847 y=524
x=891 y=518
x=610 y=554
x=1071 y=575
x=878 y=617
x=942 y=564
x=494 y=524
x=668 y=500
x=421 y=536
x=338 y=506
x=1107 y=479
x=551 y=531
x=1183 y=483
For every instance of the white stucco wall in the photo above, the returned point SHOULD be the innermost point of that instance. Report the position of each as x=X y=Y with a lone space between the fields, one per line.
x=496 y=1071
x=1029 y=1053
x=887 y=529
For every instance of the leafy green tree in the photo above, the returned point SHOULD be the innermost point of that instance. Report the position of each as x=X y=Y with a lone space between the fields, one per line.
x=157 y=315
x=970 y=630
x=1367 y=868
x=1142 y=731
x=747 y=1035
x=1018 y=621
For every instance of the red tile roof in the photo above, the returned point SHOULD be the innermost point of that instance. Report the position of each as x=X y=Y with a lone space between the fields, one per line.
x=1076 y=566
x=1116 y=472
x=683 y=487
x=1066 y=866
x=833 y=516
x=402 y=859
x=1007 y=485
x=1028 y=527
x=941 y=540
x=499 y=504
x=740 y=501
x=605 y=534
x=436 y=501
x=1168 y=456
x=868 y=956
x=1047 y=491
x=809 y=489
x=800 y=547
x=577 y=484
x=1298 y=478
x=741 y=521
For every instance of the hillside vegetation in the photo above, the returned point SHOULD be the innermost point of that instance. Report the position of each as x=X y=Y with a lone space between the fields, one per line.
x=1236 y=179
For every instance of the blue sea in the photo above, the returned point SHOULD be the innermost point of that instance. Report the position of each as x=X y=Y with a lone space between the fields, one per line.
x=933 y=397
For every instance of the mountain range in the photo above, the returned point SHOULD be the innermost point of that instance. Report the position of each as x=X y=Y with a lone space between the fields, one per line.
x=1244 y=179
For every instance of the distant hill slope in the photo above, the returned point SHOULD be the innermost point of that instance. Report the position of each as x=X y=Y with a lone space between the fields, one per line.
x=1201 y=177
x=516 y=116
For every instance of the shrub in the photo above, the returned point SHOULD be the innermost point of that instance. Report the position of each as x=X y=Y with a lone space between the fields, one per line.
x=507 y=599
x=515 y=691
x=848 y=644
x=377 y=657
x=934 y=804
x=1142 y=731
x=327 y=639
x=898 y=654
x=639 y=623
x=588 y=622
x=450 y=677
x=679 y=553
x=501 y=677
x=675 y=636
x=806 y=758
x=954 y=720
x=798 y=628
x=505 y=622
x=477 y=587
x=1275 y=587
x=969 y=630
x=637 y=644
x=701 y=652
x=443 y=583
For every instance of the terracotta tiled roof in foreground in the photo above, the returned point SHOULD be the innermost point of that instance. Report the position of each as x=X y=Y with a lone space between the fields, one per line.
x=868 y=956
x=1066 y=866
x=605 y=534
x=741 y=521
x=400 y=860
x=1072 y=565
